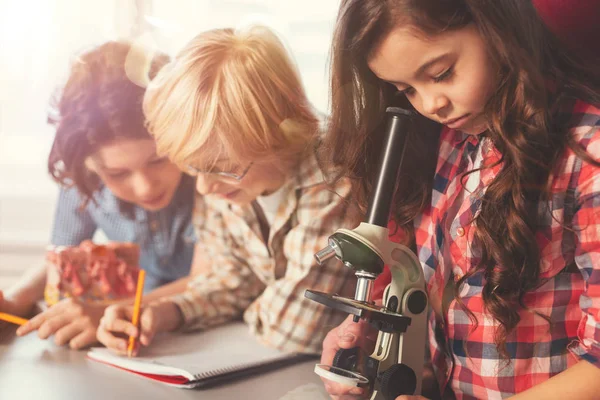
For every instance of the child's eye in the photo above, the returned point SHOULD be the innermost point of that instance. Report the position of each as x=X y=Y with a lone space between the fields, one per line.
x=444 y=75
x=158 y=161
x=236 y=170
x=118 y=175
x=408 y=91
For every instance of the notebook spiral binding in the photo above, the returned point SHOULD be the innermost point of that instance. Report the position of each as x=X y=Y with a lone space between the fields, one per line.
x=235 y=368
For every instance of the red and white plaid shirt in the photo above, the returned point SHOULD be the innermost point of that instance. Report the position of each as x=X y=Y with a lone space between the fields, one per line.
x=464 y=356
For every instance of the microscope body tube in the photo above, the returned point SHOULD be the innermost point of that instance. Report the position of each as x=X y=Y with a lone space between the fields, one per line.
x=389 y=165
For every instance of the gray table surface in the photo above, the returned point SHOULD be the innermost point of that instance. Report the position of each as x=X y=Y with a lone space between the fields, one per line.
x=31 y=368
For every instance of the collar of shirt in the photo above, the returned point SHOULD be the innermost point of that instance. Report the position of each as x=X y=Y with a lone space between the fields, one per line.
x=306 y=174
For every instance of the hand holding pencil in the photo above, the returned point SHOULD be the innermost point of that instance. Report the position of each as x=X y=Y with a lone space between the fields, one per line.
x=124 y=327
x=159 y=316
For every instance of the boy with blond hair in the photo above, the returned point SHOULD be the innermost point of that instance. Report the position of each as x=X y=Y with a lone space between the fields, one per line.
x=231 y=110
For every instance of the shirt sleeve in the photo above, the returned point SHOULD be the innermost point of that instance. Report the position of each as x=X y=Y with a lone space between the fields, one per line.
x=225 y=286
x=278 y=313
x=586 y=225
x=72 y=225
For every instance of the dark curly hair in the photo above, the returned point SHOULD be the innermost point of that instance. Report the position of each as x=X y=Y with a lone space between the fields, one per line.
x=522 y=126
x=98 y=104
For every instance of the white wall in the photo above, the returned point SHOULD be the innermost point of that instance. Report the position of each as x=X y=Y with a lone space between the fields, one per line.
x=305 y=25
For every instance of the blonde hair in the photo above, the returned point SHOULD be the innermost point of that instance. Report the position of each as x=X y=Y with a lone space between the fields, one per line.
x=238 y=90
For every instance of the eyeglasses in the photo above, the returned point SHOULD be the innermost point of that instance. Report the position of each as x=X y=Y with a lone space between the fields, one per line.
x=223 y=175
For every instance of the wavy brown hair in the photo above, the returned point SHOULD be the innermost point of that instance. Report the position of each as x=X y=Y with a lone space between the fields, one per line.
x=98 y=104
x=522 y=125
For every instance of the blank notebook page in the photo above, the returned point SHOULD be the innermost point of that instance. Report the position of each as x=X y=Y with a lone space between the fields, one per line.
x=199 y=354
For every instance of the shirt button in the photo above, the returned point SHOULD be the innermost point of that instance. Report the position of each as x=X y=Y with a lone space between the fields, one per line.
x=154 y=226
x=460 y=231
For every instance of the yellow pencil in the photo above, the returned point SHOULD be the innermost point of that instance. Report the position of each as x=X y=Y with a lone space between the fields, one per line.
x=13 y=319
x=136 y=309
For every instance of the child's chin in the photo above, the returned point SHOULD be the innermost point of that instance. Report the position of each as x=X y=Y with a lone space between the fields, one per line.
x=240 y=202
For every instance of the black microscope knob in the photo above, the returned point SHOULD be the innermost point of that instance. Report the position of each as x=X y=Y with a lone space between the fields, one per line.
x=346 y=358
x=397 y=380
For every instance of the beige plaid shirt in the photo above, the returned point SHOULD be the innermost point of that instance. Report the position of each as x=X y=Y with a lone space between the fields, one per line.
x=266 y=282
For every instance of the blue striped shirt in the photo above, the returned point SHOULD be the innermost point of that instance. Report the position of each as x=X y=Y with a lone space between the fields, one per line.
x=166 y=237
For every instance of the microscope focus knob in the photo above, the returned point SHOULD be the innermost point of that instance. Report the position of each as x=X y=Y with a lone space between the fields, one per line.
x=347 y=358
x=397 y=380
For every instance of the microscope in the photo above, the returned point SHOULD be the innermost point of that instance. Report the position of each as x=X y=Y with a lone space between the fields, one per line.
x=395 y=367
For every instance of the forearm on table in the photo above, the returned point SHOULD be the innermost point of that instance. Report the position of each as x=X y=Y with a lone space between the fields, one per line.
x=214 y=299
x=168 y=314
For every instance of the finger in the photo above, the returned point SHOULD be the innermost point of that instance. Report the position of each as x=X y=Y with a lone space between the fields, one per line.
x=360 y=334
x=148 y=325
x=349 y=397
x=33 y=324
x=52 y=325
x=112 y=342
x=84 y=339
x=119 y=326
x=136 y=348
x=339 y=390
x=59 y=309
x=66 y=333
x=351 y=334
x=330 y=346
x=118 y=312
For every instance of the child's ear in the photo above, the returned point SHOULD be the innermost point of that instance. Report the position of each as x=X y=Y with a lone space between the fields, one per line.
x=294 y=131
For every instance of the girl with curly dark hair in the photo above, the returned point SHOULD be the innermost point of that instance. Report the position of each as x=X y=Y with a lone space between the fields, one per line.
x=111 y=180
x=502 y=205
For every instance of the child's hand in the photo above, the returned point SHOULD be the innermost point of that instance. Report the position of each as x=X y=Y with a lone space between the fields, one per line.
x=70 y=321
x=116 y=327
x=348 y=335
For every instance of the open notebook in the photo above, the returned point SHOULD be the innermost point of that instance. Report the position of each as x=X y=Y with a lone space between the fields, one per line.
x=201 y=359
